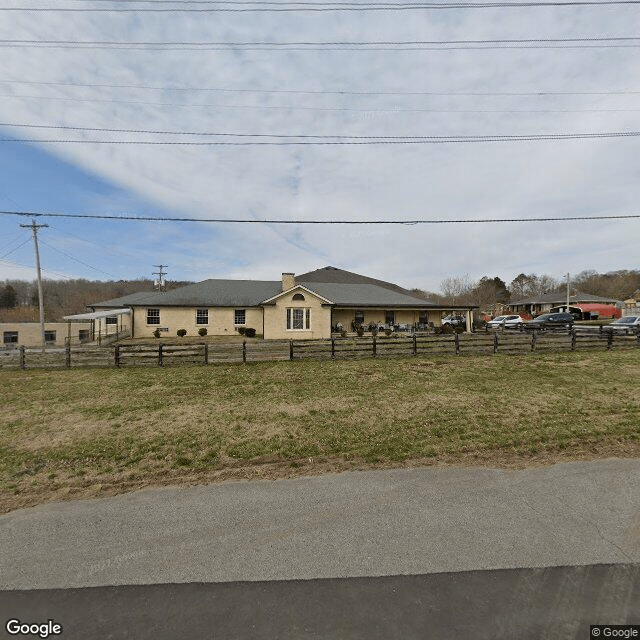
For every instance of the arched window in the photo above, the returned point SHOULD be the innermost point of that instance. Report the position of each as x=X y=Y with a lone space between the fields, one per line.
x=298 y=296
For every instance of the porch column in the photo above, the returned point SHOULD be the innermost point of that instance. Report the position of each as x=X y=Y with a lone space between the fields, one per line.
x=469 y=321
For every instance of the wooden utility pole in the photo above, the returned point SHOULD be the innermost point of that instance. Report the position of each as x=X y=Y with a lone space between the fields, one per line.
x=34 y=228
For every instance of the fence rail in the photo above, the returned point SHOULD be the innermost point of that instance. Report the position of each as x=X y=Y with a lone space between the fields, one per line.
x=161 y=354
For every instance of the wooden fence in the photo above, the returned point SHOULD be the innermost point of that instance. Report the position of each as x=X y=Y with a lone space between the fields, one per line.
x=161 y=354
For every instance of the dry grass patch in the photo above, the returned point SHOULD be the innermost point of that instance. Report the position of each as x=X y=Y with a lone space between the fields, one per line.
x=88 y=432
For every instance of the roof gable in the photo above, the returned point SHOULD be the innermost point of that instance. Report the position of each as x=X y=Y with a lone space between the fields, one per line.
x=340 y=276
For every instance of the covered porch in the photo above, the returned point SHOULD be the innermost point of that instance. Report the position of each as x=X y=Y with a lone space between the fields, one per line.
x=106 y=326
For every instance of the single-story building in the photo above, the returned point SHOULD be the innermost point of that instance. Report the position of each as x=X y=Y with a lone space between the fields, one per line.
x=56 y=334
x=587 y=303
x=308 y=306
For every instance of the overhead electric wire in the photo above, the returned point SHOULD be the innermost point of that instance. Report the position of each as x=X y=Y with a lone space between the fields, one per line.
x=16 y=248
x=236 y=107
x=353 y=140
x=76 y=259
x=24 y=266
x=353 y=45
x=42 y=214
x=324 y=91
x=322 y=7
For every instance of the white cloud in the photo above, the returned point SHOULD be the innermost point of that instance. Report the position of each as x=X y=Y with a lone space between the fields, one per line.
x=510 y=180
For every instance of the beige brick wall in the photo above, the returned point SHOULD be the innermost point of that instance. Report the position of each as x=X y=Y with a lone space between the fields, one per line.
x=275 y=318
x=221 y=321
x=402 y=316
x=29 y=333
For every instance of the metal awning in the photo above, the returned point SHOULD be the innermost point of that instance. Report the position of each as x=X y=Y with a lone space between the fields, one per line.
x=95 y=315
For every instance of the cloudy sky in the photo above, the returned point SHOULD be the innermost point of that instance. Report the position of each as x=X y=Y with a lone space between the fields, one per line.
x=302 y=90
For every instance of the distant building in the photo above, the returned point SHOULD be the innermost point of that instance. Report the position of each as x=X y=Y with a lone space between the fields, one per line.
x=589 y=304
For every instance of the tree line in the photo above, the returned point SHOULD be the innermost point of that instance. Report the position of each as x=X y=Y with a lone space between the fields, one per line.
x=19 y=298
x=488 y=293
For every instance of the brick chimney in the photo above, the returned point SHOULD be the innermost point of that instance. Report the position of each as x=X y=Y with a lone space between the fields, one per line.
x=288 y=281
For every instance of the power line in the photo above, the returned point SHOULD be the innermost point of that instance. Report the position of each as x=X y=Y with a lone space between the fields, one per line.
x=322 y=7
x=317 y=222
x=15 y=248
x=364 y=140
x=338 y=92
x=399 y=138
x=354 y=45
x=76 y=259
x=24 y=266
x=236 y=107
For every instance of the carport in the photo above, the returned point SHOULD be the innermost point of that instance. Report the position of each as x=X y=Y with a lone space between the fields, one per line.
x=112 y=324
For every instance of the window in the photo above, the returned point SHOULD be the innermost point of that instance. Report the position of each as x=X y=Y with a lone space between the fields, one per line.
x=49 y=336
x=11 y=337
x=83 y=335
x=111 y=320
x=390 y=317
x=298 y=319
x=153 y=316
x=297 y=296
x=424 y=317
x=202 y=316
x=359 y=319
x=240 y=316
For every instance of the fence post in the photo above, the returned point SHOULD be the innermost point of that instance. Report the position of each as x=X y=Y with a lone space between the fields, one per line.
x=206 y=352
x=159 y=354
x=23 y=362
x=116 y=355
x=534 y=337
x=374 y=346
x=609 y=339
x=495 y=342
x=457 y=343
x=67 y=353
x=573 y=339
x=333 y=347
x=290 y=349
x=244 y=351
x=415 y=345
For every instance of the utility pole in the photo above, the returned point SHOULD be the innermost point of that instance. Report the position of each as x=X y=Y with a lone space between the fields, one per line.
x=568 y=288
x=160 y=283
x=34 y=228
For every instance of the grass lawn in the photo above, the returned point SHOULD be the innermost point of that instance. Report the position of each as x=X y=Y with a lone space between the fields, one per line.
x=87 y=432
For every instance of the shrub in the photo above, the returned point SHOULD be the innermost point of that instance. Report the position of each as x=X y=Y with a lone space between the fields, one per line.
x=249 y=332
x=181 y=332
x=202 y=331
x=343 y=333
x=241 y=330
x=156 y=333
x=360 y=330
x=374 y=331
x=388 y=332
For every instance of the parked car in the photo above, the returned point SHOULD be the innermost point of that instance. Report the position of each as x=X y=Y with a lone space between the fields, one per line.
x=505 y=321
x=626 y=324
x=454 y=321
x=550 y=320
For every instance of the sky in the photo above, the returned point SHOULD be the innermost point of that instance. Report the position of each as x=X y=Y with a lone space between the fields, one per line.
x=259 y=91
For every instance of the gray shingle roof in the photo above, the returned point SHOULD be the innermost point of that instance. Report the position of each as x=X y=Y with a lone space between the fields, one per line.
x=141 y=297
x=341 y=287
x=340 y=276
x=364 y=295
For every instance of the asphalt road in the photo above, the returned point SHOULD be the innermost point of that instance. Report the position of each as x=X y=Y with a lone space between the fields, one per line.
x=350 y=555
